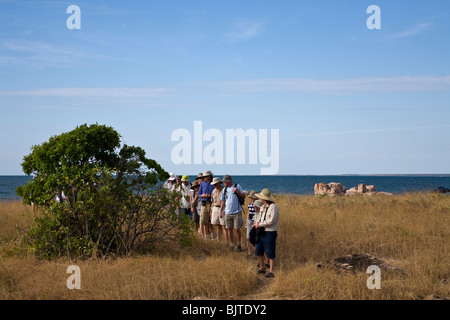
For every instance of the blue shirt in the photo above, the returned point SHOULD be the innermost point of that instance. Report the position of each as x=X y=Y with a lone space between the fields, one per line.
x=232 y=204
x=207 y=188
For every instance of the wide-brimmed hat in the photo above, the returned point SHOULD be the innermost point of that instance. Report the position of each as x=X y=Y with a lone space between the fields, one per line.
x=265 y=194
x=215 y=181
x=172 y=176
x=258 y=203
x=195 y=184
x=252 y=194
x=185 y=178
x=207 y=173
x=227 y=178
x=200 y=175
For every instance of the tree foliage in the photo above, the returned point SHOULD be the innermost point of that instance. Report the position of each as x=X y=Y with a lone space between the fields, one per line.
x=96 y=197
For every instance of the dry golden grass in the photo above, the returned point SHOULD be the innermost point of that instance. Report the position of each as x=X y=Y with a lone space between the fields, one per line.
x=411 y=231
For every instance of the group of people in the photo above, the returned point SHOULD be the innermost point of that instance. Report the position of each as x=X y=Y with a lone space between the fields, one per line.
x=217 y=212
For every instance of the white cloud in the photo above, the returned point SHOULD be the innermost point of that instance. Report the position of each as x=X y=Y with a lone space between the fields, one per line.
x=364 y=131
x=245 y=30
x=343 y=86
x=293 y=85
x=90 y=92
x=412 y=31
x=40 y=55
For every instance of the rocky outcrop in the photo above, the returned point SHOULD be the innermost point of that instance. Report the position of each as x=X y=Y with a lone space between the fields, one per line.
x=336 y=189
x=365 y=190
x=359 y=262
x=321 y=189
x=332 y=189
x=441 y=190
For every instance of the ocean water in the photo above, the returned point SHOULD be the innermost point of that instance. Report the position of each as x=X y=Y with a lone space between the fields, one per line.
x=302 y=185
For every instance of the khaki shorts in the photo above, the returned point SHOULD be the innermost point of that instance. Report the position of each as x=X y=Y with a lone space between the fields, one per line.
x=234 y=220
x=205 y=214
x=215 y=217
x=249 y=227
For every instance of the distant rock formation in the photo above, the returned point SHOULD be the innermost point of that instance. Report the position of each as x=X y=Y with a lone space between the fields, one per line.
x=335 y=189
x=366 y=190
x=441 y=190
x=332 y=189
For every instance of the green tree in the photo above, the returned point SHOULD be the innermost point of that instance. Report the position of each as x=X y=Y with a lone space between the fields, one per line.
x=96 y=197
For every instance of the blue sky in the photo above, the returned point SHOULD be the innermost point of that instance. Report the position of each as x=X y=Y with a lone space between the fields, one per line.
x=345 y=99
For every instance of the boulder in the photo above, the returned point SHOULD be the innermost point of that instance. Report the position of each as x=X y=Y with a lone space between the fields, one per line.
x=352 y=191
x=336 y=189
x=359 y=262
x=384 y=194
x=365 y=190
x=332 y=189
x=362 y=188
x=441 y=190
x=321 y=188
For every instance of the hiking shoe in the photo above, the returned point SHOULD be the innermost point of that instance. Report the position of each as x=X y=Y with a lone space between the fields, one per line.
x=270 y=275
x=239 y=248
x=261 y=271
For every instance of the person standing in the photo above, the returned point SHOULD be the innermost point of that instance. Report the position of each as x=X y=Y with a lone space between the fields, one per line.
x=179 y=180
x=216 y=221
x=267 y=219
x=185 y=205
x=233 y=210
x=197 y=201
x=169 y=184
x=195 y=205
x=250 y=221
x=205 y=195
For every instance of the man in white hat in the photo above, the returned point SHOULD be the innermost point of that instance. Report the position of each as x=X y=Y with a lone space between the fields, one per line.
x=216 y=221
x=169 y=184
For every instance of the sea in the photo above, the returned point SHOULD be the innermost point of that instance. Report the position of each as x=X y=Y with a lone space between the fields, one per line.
x=293 y=184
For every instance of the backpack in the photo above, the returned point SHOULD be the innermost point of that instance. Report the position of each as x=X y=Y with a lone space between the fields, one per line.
x=241 y=200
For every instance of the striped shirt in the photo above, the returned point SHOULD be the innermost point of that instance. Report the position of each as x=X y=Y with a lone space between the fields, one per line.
x=251 y=212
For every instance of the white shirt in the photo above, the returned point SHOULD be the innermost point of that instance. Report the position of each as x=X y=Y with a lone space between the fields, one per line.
x=268 y=217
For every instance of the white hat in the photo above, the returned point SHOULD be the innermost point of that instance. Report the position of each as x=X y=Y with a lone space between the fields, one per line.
x=207 y=173
x=265 y=194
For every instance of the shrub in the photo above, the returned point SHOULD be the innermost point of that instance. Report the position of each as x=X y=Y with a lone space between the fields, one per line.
x=96 y=197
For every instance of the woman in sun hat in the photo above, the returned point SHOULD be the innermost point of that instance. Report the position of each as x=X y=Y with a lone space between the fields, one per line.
x=268 y=219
